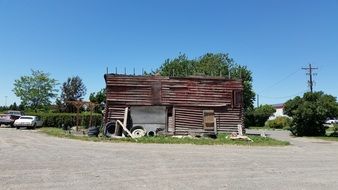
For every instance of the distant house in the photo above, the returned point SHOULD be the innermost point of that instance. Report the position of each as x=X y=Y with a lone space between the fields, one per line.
x=279 y=111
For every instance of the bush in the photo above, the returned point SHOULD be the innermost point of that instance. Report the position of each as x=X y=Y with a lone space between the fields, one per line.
x=335 y=131
x=279 y=123
x=310 y=112
x=68 y=119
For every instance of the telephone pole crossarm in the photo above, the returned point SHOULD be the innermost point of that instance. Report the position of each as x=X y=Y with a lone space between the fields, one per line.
x=310 y=73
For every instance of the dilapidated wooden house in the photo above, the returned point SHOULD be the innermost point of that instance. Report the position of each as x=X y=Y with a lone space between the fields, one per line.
x=175 y=105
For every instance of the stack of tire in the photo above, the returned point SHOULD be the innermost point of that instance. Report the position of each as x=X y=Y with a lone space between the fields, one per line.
x=93 y=131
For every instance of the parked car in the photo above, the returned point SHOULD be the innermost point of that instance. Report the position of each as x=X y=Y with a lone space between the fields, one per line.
x=9 y=117
x=28 y=121
x=15 y=113
x=331 y=121
x=6 y=119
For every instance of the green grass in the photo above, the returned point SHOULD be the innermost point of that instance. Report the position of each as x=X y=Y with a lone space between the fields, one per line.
x=221 y=140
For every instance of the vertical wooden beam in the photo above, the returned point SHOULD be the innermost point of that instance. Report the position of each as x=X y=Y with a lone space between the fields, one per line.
x=174 y=120
x=125 y=118
x=166 y=121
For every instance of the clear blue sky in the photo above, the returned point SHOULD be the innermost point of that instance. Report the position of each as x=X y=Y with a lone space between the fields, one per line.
x=274 y=38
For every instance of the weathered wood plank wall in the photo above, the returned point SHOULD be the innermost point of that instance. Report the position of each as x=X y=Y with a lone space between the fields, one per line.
x=189 y=96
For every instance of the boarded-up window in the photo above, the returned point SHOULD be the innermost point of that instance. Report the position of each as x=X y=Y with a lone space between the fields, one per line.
x=208 y=119
x=237 y=98
x=156 y=93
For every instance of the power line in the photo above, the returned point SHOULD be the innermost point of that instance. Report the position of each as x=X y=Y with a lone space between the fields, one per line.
x=281 y=80
x=282 y=97
x=259 y=94
x=310 y=73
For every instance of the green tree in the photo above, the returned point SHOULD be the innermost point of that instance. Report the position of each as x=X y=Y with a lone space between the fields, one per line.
x=13 y=106
x=258 y=116
x=310 y=112
x=180 y=66
x=59 y=105
x=71 y=90
x=243 y=73
x=98 y=97
x=210 y=64
x=36 y=90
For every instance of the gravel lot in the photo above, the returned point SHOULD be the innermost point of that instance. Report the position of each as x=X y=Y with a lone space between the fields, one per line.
x=30 y=160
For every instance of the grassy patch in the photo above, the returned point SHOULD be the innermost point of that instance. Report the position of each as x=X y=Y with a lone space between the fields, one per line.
x=221 y=140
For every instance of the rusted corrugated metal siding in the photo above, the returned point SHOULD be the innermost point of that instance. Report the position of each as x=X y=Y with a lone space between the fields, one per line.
x=228 y=119
x=188 y=119
x=188 y=96
x=191 y=119
x=115 y=112
x=126 y=90
x=195 y=92
x=140 y=90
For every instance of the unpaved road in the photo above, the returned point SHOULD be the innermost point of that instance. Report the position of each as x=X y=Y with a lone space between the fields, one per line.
x=30 y=160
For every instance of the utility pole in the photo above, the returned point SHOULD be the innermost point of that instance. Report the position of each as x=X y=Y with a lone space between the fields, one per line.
x=5 y=101
x=257 y=100
x=310 y=73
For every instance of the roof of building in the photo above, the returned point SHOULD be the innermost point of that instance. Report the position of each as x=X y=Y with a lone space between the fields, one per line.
x=276 y=106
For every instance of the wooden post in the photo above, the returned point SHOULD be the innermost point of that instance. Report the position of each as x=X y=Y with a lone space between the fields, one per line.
x=91 y=106
x=240 y=130
x=215 y=125
x=77 y=118
x=174 y=120
x=78 y=104
x=125 y=116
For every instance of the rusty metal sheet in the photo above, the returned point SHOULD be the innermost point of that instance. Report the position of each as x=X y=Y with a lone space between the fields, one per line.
x=189 y=96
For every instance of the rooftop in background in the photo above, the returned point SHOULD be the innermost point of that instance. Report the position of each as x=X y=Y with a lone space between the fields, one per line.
x=278 y=106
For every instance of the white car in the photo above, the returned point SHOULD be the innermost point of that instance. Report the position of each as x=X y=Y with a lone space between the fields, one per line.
x=28 y=121
x=331 y=121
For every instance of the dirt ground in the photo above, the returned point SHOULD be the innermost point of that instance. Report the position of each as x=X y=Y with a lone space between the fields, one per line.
x=30 y=160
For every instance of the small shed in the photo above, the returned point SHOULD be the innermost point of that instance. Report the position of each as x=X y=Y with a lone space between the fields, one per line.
x=175 y=105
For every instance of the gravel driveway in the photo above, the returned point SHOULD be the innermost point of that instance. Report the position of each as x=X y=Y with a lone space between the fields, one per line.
x=30 y=160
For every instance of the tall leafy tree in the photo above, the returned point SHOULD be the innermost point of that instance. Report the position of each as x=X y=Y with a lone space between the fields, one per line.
x=36 y=90
x=259 y=115
x=211 y=64
x=13 y=106
x=71 y=90
x=98 y=97
x=310 y=112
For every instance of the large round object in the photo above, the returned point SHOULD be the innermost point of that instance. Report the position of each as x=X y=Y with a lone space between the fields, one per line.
x=138 y=131
x=151 y=133
x=109 y=129
x=93 y=131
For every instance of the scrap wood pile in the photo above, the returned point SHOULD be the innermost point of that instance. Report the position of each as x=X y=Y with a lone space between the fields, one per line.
x=239 y=135
x=235 y=136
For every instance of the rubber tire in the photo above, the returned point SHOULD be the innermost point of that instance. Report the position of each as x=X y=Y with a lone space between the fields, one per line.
x=109 y=129
x=151 y=133
x=138 y=127
x=93 y=131
x=17 y=127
